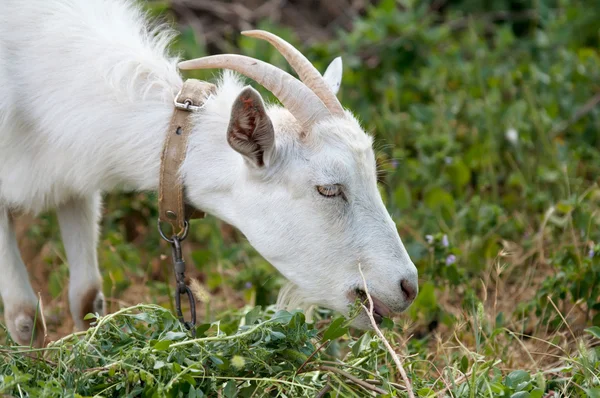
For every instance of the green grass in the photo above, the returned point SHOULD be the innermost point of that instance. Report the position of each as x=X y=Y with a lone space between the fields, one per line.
x=144 y=351
x=488 y=144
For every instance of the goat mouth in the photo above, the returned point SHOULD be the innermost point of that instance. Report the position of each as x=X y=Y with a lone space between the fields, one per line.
x=380 y=310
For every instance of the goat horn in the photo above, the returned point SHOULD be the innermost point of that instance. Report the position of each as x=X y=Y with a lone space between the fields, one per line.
x=305 y=69
x=306 y=107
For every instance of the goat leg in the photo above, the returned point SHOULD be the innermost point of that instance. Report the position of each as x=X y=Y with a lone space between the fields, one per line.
x=20 y=302
x=78 y=219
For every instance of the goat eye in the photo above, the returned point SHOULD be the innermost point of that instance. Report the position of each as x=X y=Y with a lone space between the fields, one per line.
x=329 y=190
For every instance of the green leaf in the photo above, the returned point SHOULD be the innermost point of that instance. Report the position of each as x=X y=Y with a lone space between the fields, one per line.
x=520 y=394
x=144 y=317
x=277 y=335
x=335 y=330
x=195 y=393
x=253 y=315
x=230 y=390
x=387 y=323
x=497 y=387
x=594 y=331
x=425 y=392
x=361 y=344
x=282 y=317
x=201 y=329
x=464 y=364
x=500 y=319
x=517 y=377
x=593 y=392
x=537 y=393
x=298 y=319
x=216 y=360
x=159 y=364
x=162 y=345
x=188 y=377
x=522 y=386
x=296 y=356
x=174 y=335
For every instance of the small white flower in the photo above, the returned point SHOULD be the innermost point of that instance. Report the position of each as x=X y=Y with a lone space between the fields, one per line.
x=512 y=136
x=429 y=238
x=445 y=242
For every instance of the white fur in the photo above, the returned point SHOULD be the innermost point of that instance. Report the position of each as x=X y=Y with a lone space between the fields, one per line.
x=86 y=91
x=333 y=75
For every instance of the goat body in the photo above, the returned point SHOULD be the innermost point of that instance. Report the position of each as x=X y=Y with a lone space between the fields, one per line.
x=86 y=94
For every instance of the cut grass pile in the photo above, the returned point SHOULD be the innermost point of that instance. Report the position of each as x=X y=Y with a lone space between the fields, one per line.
x=143 y=351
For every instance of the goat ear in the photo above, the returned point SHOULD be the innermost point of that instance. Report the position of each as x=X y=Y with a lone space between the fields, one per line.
x=333 y=75
x=250 y=130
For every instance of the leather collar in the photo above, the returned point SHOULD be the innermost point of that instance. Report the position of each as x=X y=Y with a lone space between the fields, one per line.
x=172 y=207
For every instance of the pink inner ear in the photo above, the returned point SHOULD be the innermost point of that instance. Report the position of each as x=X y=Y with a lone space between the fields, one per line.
x=248 y=102
x=250 y=129
x=243 y=131
x=244 y=125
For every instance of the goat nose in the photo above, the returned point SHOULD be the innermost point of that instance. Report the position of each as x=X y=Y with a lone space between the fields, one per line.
x=409 y=289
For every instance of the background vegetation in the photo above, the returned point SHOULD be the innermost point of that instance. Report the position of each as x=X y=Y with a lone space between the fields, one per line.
x=488 y=140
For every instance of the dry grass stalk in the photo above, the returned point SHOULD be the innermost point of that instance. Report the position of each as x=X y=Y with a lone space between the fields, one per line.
x=395 y=356
x=43 y=319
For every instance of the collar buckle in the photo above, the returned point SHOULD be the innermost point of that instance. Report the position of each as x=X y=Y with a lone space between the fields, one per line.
x=188 y=104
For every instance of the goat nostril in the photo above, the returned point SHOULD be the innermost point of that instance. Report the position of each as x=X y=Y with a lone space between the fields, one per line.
x=409 y=290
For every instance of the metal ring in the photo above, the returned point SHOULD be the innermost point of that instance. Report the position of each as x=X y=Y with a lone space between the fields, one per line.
x=186 y=230
x=188 y=105
x=192 y=323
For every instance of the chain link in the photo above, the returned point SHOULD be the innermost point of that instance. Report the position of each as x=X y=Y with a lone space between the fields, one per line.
x=181 y=287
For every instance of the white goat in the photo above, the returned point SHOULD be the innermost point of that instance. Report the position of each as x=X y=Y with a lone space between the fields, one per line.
x=86 y=95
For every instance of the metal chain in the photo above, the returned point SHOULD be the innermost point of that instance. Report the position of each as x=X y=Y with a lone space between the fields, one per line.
x=182 y=288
